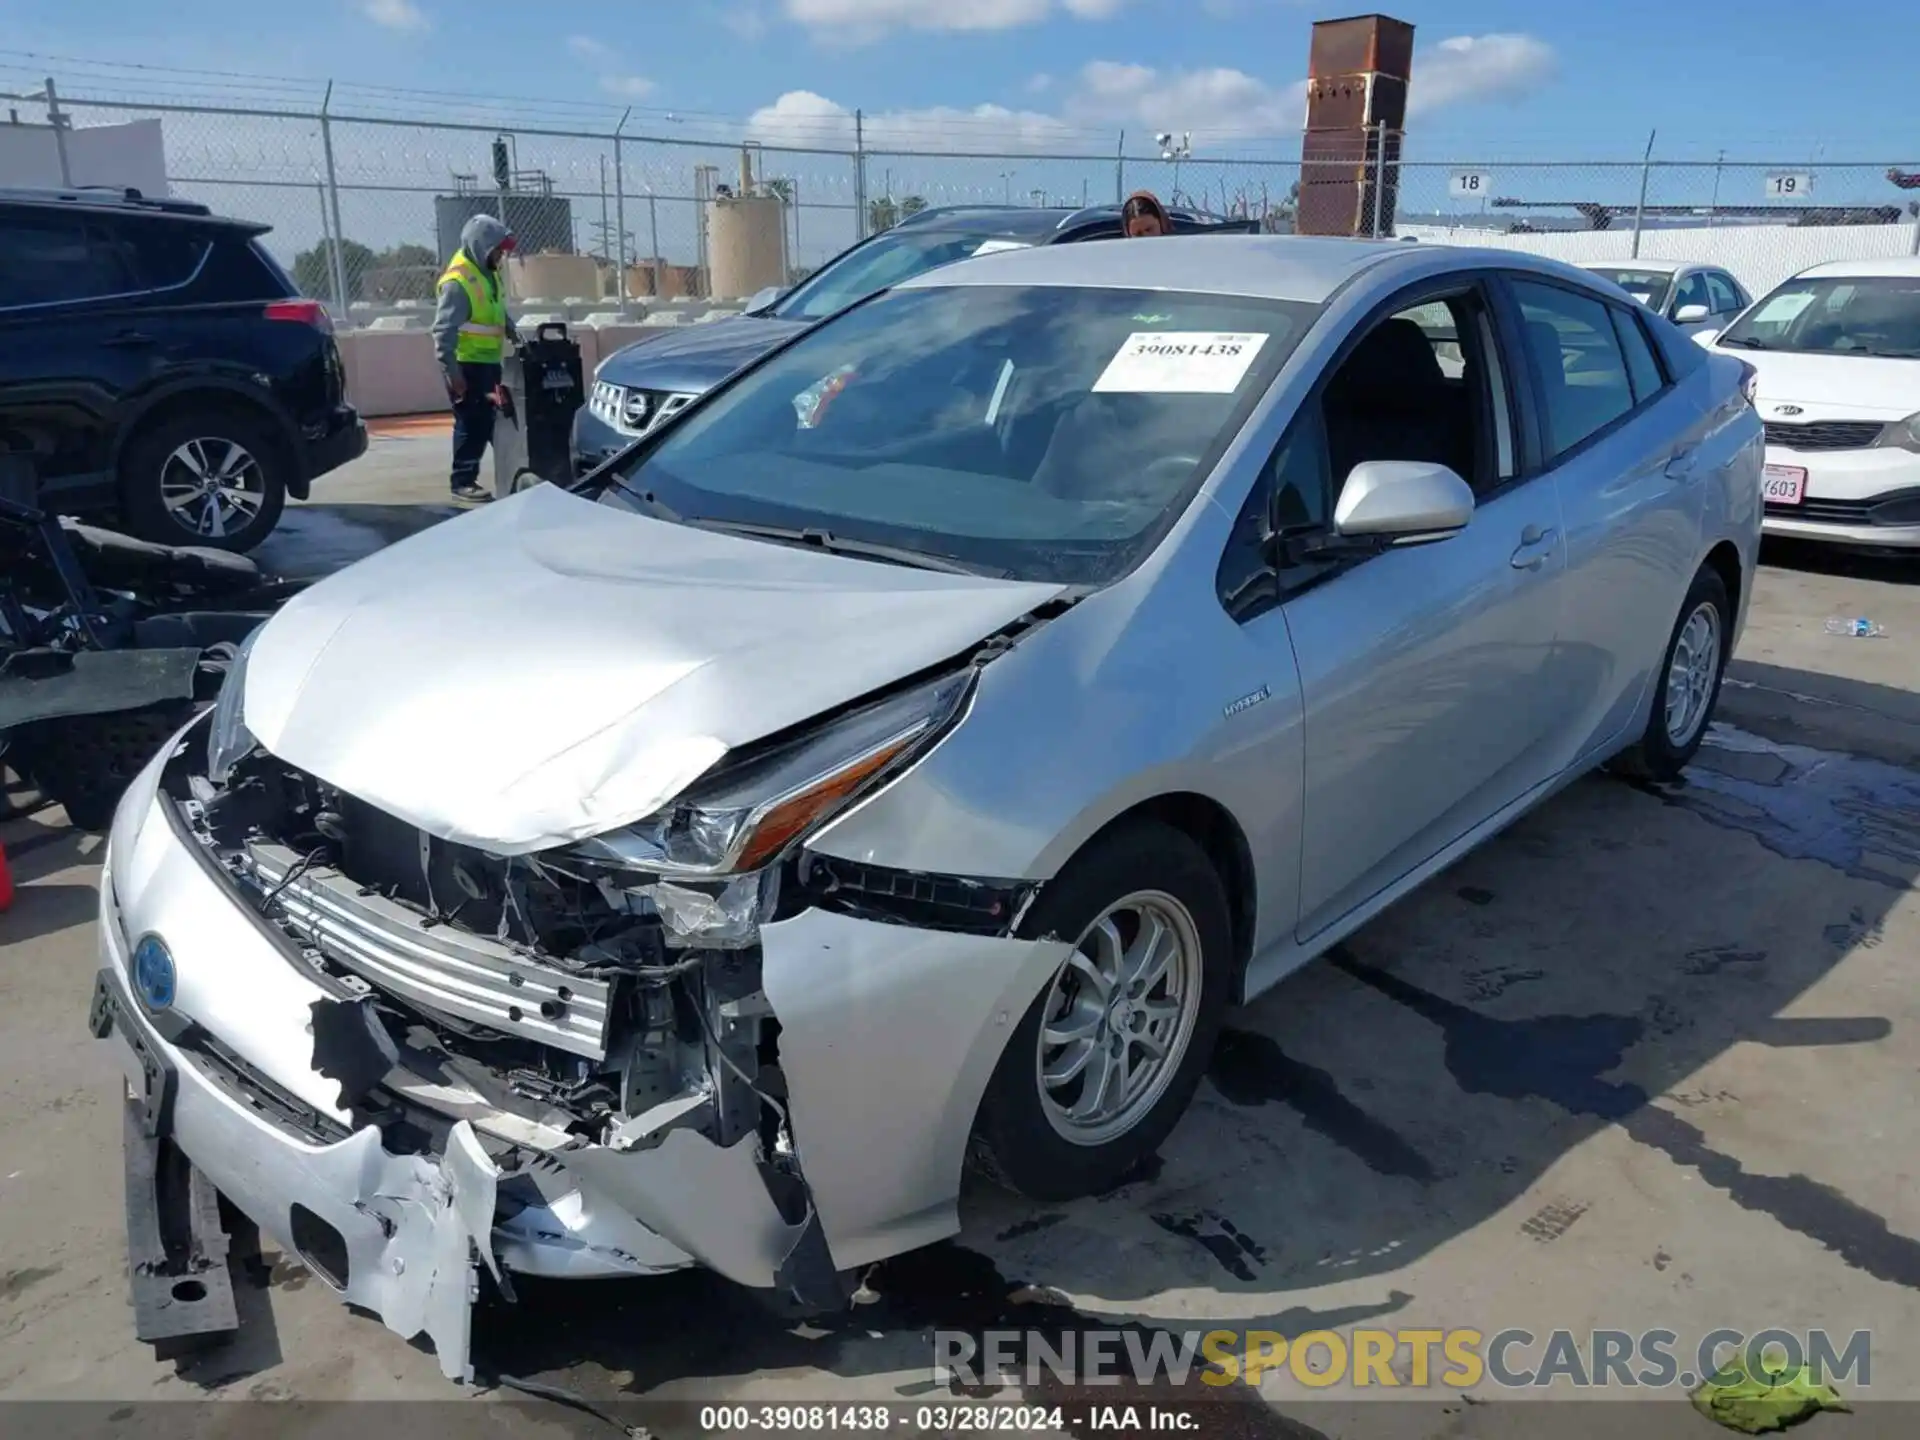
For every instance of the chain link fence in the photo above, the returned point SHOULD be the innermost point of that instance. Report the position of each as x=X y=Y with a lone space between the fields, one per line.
x=365 y=195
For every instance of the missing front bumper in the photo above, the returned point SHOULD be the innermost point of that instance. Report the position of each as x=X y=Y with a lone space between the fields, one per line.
x=888 y=1035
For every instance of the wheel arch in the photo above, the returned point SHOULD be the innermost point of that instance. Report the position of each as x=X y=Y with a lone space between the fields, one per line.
x=202 y=395
x=1724 y=560
x=1211 y=826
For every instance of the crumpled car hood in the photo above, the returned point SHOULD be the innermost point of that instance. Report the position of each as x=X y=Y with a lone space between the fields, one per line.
x=550 y=668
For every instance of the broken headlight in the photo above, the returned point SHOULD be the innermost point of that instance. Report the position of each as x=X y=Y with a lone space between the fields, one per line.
x=748 y=811
x=228 y=739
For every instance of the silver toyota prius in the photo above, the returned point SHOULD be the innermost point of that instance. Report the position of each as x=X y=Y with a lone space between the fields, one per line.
x=899 y=761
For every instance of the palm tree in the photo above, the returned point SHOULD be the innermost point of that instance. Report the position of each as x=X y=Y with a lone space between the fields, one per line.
x=885 y=212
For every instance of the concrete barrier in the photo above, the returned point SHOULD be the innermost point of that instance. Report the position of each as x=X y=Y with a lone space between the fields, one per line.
x=393 y=371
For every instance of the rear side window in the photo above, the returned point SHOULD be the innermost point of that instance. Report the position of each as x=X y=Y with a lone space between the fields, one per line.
x=56 y=259
x=169 y=255
x=1577 y=365
x=272 y=267
x=1642 y=368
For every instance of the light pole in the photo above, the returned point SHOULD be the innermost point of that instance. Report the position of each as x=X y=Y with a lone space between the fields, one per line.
x=1006 y=186
x=56 y=121
x=655 y=264
x=1175 y=148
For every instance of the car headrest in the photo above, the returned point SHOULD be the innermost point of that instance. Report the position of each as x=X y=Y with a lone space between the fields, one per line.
x=1395 y=357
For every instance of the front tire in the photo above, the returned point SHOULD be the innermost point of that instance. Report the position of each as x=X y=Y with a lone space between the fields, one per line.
x=1106 y=1059
x=216 y=478
x=1691 y=670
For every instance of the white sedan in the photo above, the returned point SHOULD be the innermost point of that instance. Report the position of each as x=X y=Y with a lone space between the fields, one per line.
x=1696 y=297
x=1837 y=351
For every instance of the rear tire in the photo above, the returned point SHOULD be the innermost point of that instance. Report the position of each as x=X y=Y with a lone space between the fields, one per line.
x=214 y=477
x=1109 y=898
x=1691 y=669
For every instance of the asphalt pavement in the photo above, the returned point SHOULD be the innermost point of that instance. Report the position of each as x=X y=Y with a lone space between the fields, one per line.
x=1646 y=1061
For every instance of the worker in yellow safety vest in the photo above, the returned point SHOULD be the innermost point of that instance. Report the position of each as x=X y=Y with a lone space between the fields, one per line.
x=471 y=328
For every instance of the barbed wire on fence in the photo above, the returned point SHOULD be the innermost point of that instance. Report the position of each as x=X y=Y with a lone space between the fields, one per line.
x=359 y=182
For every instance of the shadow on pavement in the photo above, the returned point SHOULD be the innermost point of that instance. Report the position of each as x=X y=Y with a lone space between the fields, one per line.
x=1573 y=975
x=1892 y=567
x=313 y=540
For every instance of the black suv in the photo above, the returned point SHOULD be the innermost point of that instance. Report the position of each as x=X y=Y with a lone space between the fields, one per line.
x=158 y=366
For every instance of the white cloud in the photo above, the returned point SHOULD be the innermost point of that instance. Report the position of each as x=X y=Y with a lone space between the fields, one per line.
x=866 y=19
x=1479 y=67
x=604 y=59
x=802 y=118
x=1222 y=103
x=1213 y=104
x=748 y=21
x=628 y=87
x=394 y=14
x=1218 y=106
x=594 y=52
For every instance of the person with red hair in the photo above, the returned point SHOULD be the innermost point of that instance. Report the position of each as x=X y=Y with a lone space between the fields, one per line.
x=1144 y=215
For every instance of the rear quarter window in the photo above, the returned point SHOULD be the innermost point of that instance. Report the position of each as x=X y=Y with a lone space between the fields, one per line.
x=239 y=268
x=169 y=255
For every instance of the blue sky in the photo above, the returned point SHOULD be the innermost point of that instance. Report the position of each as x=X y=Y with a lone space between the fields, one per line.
x=1763 y=78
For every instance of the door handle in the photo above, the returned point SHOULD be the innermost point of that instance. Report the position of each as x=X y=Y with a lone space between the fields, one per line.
x=129 y=340
x=1535 y=545
x=1683 y=464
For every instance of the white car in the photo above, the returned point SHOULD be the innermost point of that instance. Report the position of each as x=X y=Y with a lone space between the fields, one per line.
x=1837 y=351
x=1696 y=297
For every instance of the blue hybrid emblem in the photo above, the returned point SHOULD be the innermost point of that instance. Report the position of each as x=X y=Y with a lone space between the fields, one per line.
x=153 y=973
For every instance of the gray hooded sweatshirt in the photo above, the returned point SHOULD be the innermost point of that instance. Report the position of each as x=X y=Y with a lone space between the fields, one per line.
x=479 y=237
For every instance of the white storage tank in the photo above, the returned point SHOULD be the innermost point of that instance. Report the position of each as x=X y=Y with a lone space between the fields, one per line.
x=746 y=244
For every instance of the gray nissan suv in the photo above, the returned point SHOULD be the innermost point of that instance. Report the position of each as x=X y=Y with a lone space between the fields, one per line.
x=638 y=387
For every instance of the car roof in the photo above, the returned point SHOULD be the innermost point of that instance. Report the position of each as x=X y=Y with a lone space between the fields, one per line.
x=1891 y=268
x=1037 y=224
x=1652 y=267
x=1275 y=267
x=112 y=200
x=1015 y=222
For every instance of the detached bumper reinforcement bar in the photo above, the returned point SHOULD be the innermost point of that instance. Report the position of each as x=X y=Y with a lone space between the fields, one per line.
x=182 y=1301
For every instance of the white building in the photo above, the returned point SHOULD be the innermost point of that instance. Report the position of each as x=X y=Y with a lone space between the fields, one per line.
x=131 y=155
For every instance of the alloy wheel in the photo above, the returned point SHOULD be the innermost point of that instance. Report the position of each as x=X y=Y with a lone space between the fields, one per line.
x=1118 y=1018
x=1691 y=672
x=213 y=487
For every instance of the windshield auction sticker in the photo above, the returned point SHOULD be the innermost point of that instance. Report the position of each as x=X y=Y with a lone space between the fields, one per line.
x=1179 y=362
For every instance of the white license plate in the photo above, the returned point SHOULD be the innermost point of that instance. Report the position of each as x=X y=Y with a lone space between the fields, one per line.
x=1783 y=484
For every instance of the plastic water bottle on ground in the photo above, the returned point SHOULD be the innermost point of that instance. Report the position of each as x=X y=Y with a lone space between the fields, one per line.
x=1860 y=628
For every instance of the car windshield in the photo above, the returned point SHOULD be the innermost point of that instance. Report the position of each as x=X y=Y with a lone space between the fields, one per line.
x=1838 y=315
x=1649 y=287
x=887 y=260
x=1044 y=433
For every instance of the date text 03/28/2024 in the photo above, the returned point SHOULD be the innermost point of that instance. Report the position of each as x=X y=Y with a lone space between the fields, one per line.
x=939 y=1419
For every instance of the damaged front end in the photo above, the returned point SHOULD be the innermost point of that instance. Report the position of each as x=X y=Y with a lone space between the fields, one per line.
x=566 y=1062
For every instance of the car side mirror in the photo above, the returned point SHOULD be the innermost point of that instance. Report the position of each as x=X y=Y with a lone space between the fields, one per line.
x=1402 y=502
x=1690 y=314
x=763 y=300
